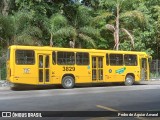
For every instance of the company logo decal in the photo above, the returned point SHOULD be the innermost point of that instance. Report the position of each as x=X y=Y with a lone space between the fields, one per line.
x=121 y=70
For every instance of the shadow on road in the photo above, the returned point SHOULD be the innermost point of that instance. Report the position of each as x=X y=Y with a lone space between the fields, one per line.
x=44 y=87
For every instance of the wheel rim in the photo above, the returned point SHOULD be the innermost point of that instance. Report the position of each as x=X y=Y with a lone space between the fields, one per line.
x=129 y=80
x=68 y=82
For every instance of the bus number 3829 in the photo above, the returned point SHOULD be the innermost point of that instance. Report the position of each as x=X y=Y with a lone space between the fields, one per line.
x=68 y=68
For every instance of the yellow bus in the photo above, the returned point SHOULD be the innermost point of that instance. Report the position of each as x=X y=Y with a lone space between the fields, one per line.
x=38 y=65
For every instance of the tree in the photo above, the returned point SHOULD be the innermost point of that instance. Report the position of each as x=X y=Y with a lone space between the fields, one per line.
x=79 y=17
x=24 y=31
x=154 y=30
x=4 y=5
x=115 y=7
x=57 y=27
x=30 y=20
x=17 y=29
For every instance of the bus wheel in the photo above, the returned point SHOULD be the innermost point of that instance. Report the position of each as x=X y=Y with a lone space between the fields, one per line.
x=129 y=80
x=68 y=82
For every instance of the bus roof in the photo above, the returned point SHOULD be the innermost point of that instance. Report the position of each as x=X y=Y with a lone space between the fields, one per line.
x=48 y=48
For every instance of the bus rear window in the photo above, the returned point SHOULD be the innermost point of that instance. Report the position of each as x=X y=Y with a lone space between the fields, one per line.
x=25 y=57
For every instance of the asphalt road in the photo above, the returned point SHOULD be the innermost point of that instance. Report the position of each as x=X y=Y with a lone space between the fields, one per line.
x=103 y=98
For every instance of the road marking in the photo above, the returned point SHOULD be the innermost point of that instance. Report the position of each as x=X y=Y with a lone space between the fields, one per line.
x=114 y=110
x=107 y=108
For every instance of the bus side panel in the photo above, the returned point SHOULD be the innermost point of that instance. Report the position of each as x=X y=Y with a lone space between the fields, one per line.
x=118 y=73
x=25 y=74
x=56 y=74
x=81 y=73
x=115 y=74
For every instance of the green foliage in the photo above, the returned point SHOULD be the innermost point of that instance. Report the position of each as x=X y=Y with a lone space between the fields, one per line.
x=37 y=22
x=56 y=22
x=33 y=22
x=3 y=71
x=90 y=31
x=5 y=30
x=79 y=17
x=67 y=31
x=24 y=32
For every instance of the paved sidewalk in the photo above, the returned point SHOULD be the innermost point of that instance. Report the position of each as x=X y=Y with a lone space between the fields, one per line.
x=151 y=82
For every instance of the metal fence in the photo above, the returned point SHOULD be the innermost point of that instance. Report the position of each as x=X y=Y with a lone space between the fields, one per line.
x=155 y=69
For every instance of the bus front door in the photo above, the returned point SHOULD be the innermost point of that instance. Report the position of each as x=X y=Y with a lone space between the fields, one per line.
x=144 y=69
x=97 y=69
x=43 y=69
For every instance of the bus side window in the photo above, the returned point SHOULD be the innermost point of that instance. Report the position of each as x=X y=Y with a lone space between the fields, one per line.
x=47 y=62
x=82 y=58
x=116 y=59
x=40 y=61
x=130 y=60
x=107 y=59
x=71 y=60
x=78 y=60
x=53 y=58
x=25 y=57
x=65 y=58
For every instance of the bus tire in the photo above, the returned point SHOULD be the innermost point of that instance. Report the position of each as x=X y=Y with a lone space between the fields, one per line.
x=129 y=80
x=68 y=82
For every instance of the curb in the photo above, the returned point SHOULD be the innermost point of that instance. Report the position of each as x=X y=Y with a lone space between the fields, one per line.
x=154 y=80
x=4 y=88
